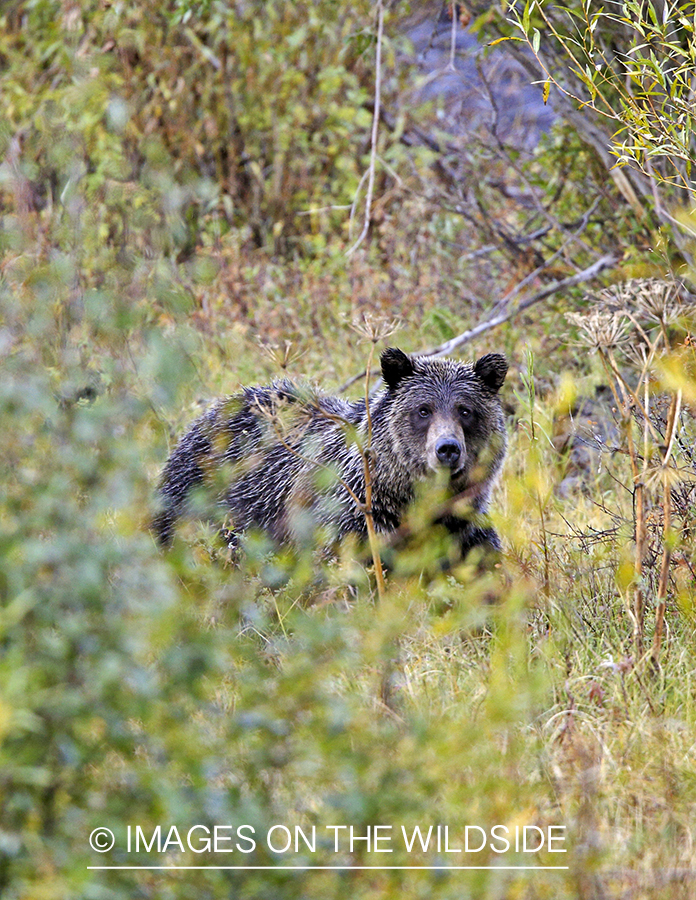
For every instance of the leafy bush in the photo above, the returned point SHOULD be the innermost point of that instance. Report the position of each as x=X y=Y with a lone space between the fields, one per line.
x=229 y=113
x=145 y=689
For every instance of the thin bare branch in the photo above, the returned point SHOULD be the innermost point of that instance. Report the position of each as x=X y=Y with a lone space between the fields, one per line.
x=375 y=131
x=558 y=253
x=453 y=39
x=367 y=457
x=605 y=262
x=509 y=312
x=671 y=430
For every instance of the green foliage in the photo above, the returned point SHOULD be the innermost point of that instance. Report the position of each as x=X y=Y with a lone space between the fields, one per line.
x=231 y=113
x=143 y=690
x=632 y=64
x=148 y=151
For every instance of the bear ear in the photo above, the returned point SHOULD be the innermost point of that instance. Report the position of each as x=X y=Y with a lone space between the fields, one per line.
x=491 y=369
x=395 y=366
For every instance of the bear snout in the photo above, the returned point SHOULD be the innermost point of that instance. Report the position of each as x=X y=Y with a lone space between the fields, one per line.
x=448 y=451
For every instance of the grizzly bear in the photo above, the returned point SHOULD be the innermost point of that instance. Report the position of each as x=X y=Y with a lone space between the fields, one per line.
x=304 y=482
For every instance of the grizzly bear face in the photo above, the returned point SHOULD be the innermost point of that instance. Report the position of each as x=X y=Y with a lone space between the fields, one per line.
x=446 y=415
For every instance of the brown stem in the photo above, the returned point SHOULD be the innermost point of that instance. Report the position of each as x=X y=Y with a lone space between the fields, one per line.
x=367 y=463
x=366 y=453
x=637 y=609
x=664 y=571
x=672 y=421
x=313 y=462
x=638 y=594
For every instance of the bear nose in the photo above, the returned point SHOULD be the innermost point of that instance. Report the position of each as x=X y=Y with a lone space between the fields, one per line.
x=448 y=452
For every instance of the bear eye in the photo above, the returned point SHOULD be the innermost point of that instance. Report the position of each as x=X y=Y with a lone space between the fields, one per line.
x=465 y=412
x=424 y=412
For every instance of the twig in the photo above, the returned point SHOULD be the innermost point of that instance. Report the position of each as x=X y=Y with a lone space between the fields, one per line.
x=636 y=608
x=672 y=425
x=453 y=40
x=351 y=381
x=205 y=52
x=606 y=262
x=375 y=130
x=554 y=256
x=367 y=457
x=307 y=459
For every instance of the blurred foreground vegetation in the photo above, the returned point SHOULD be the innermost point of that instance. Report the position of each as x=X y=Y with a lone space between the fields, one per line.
x=176 y=184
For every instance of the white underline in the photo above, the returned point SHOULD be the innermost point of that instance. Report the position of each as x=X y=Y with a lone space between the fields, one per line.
x=347 y=868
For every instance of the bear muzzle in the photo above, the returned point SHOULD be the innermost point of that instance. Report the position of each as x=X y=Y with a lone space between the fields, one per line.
x=449 y=452
x=445 y=445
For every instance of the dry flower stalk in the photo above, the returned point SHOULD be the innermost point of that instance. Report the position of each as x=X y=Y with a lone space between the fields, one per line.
x=629 y=322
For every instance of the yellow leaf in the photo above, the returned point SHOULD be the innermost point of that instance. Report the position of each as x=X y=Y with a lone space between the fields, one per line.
x=6 y=713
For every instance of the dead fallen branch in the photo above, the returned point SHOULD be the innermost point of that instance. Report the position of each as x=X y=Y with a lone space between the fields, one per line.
x=509 y=311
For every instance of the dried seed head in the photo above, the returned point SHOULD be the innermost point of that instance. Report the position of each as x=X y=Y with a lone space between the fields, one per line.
x=651 y=299
x=601 y=329
x=624 y=314
x=374 y=328
x=282 y=355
